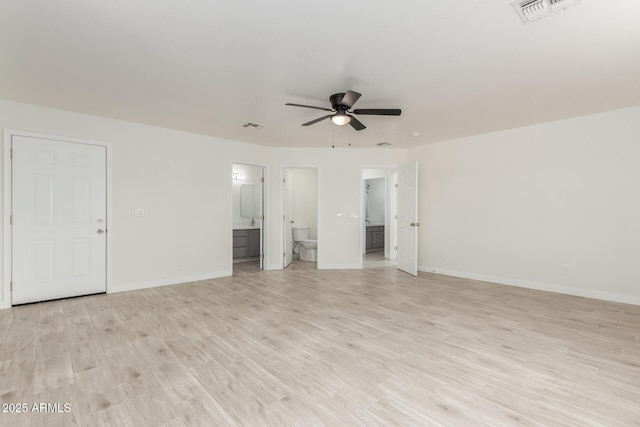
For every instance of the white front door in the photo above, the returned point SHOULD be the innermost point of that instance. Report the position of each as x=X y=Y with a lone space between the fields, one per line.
x=408 y=219
x=288 y=223
x=58 y=219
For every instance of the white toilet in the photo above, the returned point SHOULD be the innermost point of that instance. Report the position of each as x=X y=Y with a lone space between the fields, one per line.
x=307 y=248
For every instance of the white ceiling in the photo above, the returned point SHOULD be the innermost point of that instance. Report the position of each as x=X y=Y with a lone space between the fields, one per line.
x=455 y=67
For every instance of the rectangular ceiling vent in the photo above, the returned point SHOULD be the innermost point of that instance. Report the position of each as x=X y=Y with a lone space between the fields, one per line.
x=252 y=125
x=532 y=10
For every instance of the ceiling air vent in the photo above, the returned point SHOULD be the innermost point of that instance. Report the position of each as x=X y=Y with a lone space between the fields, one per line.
x=532 y=10
x=252 y=125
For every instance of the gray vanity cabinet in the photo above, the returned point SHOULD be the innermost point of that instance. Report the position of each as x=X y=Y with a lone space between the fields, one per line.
x=374 y=238
x=246 y=243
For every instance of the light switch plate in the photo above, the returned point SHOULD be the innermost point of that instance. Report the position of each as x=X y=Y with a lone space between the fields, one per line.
x=138 y=212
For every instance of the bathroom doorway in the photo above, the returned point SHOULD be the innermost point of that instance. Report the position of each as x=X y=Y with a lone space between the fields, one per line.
x=379 y=217
x=248 y=217
x=300 y=216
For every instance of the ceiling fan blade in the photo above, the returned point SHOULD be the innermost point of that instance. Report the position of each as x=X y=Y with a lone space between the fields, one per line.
x=312 y=122
x=349 y=99
x=379 y=111
x=309 y=106
x=356 y=124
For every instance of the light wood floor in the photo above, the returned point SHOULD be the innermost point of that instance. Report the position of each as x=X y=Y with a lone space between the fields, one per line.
x=307 y=347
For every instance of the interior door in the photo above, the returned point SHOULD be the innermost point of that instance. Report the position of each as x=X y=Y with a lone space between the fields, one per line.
x=261 y=219
x=408 y=219
x=288 y=223
x=58 y=219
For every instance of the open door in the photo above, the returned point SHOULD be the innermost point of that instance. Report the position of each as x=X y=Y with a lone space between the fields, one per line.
x=288 y=223
x=408 y=219
x=261 y=219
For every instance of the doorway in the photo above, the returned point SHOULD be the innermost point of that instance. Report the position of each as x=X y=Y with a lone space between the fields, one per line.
x=248 y=217
x=300 y=217
x=56 y=217
x=379 y=213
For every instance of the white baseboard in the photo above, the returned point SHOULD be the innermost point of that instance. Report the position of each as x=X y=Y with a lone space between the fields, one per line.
x=165 y=282
x=567 y=290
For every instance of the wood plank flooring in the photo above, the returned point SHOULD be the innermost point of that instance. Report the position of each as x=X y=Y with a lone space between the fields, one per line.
x=307 y=347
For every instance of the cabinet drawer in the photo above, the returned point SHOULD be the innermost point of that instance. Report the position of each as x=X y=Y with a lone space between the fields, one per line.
x=240 y=241
x=241 y=252
x=240 y=233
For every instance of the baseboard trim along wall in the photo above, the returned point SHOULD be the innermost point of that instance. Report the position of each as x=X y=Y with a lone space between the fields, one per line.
x=567 y=290
x=166 y=282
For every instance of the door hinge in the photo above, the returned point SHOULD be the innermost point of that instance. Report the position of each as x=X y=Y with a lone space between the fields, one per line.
x=284 y=181
x=11 y=153
x=11 y=286
x=395 y=216
x=396 y=185
x=10 y=219
x=284 y=218
x=284 y=254
x=261 y=256
x=262 y=179
x=395 y=248
x=262 y=217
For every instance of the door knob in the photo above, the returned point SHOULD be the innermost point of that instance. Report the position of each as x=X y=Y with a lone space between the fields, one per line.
x=100 y=231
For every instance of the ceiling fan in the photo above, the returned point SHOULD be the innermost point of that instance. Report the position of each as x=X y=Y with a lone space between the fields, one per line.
x=341 y=104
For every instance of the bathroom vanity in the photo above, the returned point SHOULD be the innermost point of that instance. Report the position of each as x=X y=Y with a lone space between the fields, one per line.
x=246 y=243
x=374 y=238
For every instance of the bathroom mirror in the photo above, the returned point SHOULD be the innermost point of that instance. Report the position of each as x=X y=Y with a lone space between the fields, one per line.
x=250 y=201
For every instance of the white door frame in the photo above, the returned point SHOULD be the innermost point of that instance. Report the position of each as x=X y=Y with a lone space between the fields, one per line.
x=5 y=288
x=283 y=174
x=265 y=207
x=391 y=208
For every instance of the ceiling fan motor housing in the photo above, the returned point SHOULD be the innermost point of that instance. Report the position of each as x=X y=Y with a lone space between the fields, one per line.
x=336 y=101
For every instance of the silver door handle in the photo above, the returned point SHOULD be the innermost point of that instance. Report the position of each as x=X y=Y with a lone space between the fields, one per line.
x=100 y=231
x=293 y=222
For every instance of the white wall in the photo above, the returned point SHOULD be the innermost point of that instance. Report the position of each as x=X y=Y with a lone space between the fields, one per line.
x=250 y=176
x=182 y=180
x=340 y=198
x=304 y=195
x=554 y=206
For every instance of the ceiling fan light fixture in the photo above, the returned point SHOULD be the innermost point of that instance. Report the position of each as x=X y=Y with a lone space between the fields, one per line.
x=341 y=118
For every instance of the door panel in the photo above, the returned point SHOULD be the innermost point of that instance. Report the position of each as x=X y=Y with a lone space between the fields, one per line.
x=58 y=206
x=408 y=219
x=288 y=224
